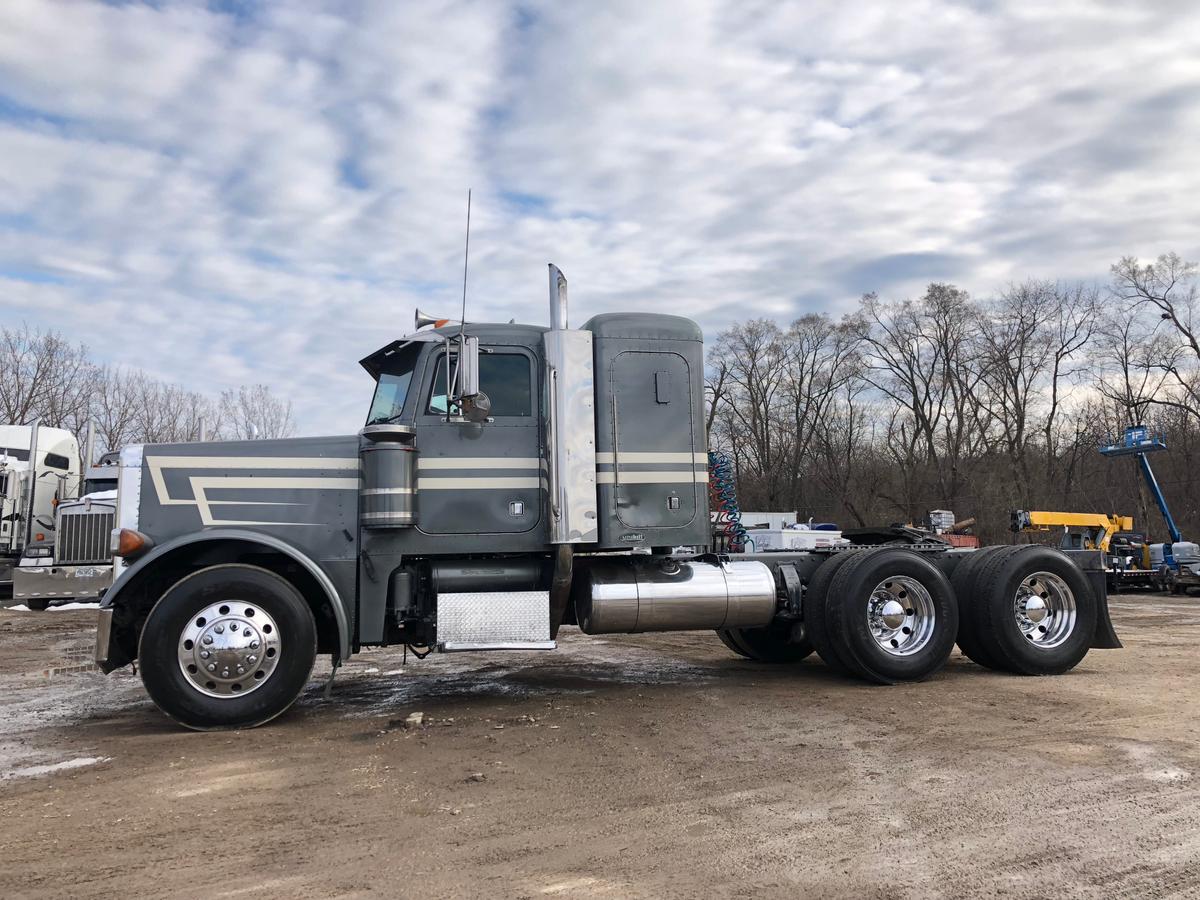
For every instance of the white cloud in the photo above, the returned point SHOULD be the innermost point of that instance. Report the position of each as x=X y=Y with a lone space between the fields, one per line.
x=232 y=193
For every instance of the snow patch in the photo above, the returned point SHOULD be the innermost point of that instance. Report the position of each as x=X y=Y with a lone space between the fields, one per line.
x=51 y=768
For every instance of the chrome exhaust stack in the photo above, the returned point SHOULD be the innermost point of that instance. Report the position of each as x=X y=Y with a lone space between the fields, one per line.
x=558 y=299
x=570 y=424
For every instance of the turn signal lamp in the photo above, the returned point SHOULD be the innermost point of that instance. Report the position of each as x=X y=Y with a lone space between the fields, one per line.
x=128 y=543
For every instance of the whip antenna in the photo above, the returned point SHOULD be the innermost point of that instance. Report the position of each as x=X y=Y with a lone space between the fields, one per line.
x=462 y=320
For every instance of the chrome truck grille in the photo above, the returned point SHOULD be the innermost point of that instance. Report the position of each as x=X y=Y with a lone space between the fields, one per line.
x=83 y=534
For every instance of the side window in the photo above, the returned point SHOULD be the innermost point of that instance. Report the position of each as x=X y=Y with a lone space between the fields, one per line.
x=505 y=377
x=55 y=461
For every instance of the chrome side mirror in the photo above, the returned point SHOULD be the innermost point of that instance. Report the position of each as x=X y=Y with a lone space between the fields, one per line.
x=466 y=379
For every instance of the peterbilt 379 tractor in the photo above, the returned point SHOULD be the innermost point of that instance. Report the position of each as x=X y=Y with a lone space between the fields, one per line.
x=511 y=480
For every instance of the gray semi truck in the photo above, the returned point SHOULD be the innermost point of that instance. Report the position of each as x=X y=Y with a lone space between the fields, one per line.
x=511 y=480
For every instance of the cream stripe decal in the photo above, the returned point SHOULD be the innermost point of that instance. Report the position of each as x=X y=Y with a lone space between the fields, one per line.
x=156 y=464
x=201 y=484
x=479 y=462
x=627 y=456
x=479 y=484
x=677 y=477
x=220 y=482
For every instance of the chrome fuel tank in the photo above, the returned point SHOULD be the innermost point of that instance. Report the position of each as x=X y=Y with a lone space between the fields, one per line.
x=633 y=594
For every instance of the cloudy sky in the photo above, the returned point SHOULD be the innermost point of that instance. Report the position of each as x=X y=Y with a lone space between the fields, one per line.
x=232 y=192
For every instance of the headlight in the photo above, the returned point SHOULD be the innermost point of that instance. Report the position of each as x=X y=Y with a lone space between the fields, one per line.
x=39 y=552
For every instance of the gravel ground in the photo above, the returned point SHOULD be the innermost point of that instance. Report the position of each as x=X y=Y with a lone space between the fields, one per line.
x=648 y=766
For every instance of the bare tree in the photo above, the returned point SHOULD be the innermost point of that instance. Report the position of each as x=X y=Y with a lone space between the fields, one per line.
x=43 y=375
x=820 y=357
x=1168 y=287
x=755 y=358
x=251 y=408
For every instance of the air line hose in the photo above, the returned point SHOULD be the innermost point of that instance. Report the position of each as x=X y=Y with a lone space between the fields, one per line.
x=722 y=492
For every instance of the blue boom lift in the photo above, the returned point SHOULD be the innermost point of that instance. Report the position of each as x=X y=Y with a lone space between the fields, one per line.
x=1179 y=560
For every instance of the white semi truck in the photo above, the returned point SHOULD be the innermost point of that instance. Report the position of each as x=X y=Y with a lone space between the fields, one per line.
x=39 y=467
x=74 y=562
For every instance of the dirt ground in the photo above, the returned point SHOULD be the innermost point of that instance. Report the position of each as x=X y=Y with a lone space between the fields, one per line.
x=650 y=766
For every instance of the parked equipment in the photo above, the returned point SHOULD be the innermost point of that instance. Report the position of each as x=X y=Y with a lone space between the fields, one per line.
x=510 y=480
x=1176 y=564
x=78 y=565
x=1127 y=561
x=39 y=466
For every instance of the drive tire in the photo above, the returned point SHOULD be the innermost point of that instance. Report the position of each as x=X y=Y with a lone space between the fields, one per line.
x=965 y=581
x=770 y=644
x=815 y=596
x=726 y=636
x=926 y=607
x=284 y=618
x=1035 y=648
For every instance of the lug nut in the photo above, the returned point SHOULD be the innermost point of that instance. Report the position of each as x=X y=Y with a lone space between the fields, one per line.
x=241 y=671
x=207 y=639
x=252 y=659
x=212 y=667
x=204 y=654
x=254 y=645
x=220 y=629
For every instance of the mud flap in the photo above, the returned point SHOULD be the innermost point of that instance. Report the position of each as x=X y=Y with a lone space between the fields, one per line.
x=1105 y=636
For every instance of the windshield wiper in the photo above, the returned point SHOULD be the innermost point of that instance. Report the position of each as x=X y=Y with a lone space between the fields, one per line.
x=385 y=420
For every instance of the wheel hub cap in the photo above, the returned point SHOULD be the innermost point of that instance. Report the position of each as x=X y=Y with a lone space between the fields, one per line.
x=900 y=615
x=228 y=649
x=1044 y=608
x=892 y=614
x=1035 y=609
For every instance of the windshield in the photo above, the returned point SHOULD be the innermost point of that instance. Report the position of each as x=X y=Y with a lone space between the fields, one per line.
x=392 y=388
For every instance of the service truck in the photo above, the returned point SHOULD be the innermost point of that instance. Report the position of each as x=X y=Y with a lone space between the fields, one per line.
x=39 y=466
x=511 y=480
x=73 y=562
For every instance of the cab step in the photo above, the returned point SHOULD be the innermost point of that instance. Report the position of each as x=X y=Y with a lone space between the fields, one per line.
x=494 y=620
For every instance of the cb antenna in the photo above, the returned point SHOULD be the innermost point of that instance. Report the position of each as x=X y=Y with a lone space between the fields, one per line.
x=462 y=320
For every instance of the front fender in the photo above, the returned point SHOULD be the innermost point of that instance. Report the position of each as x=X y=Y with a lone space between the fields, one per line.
x=113 y=594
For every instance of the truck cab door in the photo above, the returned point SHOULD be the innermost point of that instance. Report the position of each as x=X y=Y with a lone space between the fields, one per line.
x=482 y=478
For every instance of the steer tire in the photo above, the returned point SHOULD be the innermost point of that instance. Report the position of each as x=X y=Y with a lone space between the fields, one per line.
x=815 y=595
x=925 y=600
x=772 y=643
x=261 y=617
x=965 y=581
x=1035 y=648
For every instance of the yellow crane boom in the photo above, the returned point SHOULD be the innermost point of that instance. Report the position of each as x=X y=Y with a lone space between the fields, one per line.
x=1102 y=526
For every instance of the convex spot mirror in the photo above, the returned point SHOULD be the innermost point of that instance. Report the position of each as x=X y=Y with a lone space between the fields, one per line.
x=477 y=408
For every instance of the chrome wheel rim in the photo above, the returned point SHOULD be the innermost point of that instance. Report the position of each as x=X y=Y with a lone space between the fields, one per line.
x=229 y=649
x=901 y=615
x=1044 y=607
